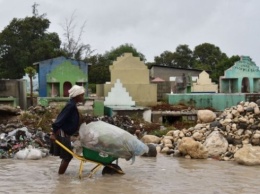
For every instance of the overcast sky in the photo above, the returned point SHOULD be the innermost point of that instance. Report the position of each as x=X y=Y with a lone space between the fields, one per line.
x=152 y=26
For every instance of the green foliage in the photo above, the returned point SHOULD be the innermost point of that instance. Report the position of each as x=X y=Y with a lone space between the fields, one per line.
x=31 y=73
x=226 y=63
x=162 y=132
x=25 y=41
x=165 y=59
x=207 y=56
x=181 y=58
x=111 y=55
x=92 y=87
x=97 y=59
x=149 y=64
x=99 y=74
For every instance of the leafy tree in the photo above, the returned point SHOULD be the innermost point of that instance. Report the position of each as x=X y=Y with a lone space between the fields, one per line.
x=224 y=65
x=205 y=57
x=97 y=59
x=99 y=74
x=165 y=59
x=111 y=55
x=183 y=57
x=98 y=70
x=25 y=41
x=149 y=64
x=209 y=57
x=31 y=72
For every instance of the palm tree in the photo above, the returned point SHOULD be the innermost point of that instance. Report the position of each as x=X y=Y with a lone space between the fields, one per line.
x=30 y=71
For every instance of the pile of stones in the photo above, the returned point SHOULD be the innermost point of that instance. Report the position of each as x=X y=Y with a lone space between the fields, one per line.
x=216 y=137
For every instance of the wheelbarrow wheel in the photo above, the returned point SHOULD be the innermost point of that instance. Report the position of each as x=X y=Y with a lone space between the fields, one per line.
x=112 y=169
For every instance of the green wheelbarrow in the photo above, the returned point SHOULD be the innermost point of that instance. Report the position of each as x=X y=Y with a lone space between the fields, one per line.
x=95 y=157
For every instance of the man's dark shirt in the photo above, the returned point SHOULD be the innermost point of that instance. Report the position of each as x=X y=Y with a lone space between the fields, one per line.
x=68 y=119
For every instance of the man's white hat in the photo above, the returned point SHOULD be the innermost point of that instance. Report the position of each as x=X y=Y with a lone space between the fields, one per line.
x=76 y=90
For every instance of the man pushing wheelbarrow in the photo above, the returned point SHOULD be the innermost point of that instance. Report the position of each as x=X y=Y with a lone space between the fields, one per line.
x=66 y=124
x=102 y=143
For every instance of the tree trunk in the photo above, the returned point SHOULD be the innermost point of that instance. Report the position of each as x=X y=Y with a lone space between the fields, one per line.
x=31 y=92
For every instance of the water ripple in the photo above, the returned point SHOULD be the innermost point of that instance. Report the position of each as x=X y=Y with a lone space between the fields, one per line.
x=164 y=174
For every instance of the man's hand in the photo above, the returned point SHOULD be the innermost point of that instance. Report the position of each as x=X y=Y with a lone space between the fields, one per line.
x=52 y=137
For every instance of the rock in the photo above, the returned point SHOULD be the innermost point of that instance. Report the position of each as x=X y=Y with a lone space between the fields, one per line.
x=243 y=125
x=205 y=116
x=242 y=119
x=256 y=110
x=237 y=141
x=215 y=124
x=254 y=127
x=152 y=151
x=248 y=155
x=158 y=148
x=240 y=108
x=187 y=156
x=188 y=146
x=197 y=136
x=225 y=122
x=228 y=154
x=165 y=150
x=252 y=104
x=199 y=126
x=258 y=102
x=150 y=139
x=250 y=109
x=171 y=151
x=216 y=144
x=235 y=113
x=176 y=133
x=166 y=141
x=167 y=137
x=169 y=133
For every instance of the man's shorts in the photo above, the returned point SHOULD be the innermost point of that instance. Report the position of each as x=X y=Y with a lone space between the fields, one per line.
x=57 y=150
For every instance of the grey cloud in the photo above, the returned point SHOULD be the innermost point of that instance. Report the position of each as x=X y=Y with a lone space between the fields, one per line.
x=153 y=26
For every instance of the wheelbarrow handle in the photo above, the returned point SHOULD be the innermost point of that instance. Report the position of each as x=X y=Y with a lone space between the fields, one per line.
x=69 y=151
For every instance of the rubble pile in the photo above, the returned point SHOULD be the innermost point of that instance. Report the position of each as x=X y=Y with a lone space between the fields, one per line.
x=221 y=138
x=126 y=122
x=18 y=139
x=20 y=129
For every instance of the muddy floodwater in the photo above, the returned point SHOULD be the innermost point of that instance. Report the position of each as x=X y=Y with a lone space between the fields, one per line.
x=164 y=174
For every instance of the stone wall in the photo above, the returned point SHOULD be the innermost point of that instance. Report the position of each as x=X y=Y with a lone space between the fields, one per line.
x=13 y=89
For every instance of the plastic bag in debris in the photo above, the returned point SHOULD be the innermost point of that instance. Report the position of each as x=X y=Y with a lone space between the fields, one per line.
x=29 y=153
x=112 y=140
x=24 y=129
x=22 y=154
